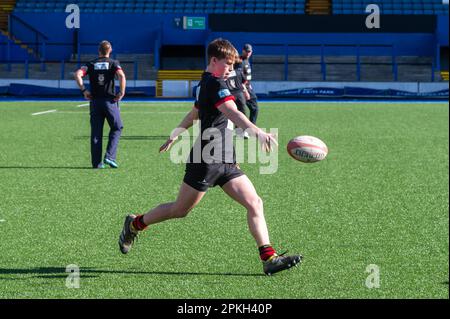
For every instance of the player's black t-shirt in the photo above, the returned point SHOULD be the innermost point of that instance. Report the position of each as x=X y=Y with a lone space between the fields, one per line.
x=101 y=72
x=215 y=143
x=246 y=69
x=235 y=81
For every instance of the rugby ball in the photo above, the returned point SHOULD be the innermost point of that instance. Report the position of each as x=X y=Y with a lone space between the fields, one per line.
x=307 y=149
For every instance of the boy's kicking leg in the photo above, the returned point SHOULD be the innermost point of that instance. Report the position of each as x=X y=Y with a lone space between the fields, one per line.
x=188 y=198
x=242 y=190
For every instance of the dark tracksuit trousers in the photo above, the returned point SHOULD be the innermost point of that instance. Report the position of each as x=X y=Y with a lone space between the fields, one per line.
x=252 y=105
x=101 y=109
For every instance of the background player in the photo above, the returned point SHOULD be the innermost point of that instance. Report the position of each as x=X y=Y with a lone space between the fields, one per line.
x=234 y=82
x=246 y=69
x=104 y=103
x=215 y=108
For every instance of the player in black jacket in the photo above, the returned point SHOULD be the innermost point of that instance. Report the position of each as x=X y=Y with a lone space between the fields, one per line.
x=246 y=69
x=104 y=103
x=216 y=109
x=235 y=83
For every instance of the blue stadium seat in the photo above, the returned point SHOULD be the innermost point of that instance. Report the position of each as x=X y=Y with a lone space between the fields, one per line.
x=235 y=6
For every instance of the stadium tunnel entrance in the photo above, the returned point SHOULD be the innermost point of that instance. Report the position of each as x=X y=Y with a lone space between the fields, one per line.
x=182 y=57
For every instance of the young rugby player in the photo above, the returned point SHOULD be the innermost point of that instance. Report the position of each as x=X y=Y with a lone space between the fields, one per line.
x=215 y=108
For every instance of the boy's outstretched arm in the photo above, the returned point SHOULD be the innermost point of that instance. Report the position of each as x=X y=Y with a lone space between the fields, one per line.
x=230 y=110
x=185 y=124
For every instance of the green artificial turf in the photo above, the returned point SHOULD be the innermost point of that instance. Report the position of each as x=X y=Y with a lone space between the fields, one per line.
x=380 y=197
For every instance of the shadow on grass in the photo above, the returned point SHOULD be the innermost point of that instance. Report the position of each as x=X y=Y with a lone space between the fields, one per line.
x=45 y=167
x=58 y=273
x=130 y=138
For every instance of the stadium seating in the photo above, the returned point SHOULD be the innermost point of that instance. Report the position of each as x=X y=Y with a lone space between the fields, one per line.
x=168 y=6
x=391 y=6
x=232 y=6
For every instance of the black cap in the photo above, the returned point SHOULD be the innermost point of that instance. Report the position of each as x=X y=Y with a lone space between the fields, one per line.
x=248 y=47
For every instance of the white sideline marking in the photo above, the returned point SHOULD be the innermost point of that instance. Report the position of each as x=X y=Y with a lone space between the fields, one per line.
x=2 y=220
x=124 y=112
x=39 y=113
x=81 y=105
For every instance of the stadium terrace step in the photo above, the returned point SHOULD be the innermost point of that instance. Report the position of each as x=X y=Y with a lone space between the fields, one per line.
x=53 y=71
x=188 y=75
x=318 y=7
x=194 y=75
x=265 y=68
x=6 y=7
x=146 y=70
x=342 y=68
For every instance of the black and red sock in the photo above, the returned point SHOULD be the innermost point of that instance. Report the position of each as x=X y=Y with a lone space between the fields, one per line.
x=266 y=251
x=138 y=223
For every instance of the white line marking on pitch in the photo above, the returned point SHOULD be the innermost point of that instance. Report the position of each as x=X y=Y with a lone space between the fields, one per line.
x=39 y=113
x=2 y=220
x=81 y=105
x=125 y=112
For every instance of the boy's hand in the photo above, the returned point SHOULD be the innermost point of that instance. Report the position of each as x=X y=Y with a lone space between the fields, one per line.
x=119 y=96
x=167 y=145
x=87 y=95
x=267 y=141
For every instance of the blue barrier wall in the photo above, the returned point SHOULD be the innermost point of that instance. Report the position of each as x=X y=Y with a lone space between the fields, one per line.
x=16 y=52
x=442 y=30
x=129 y=33
x=141 y=33
x=419 y=44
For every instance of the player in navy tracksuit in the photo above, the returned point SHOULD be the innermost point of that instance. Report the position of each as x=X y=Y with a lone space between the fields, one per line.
x=212 y=162
x=104 y=103
x=245 y=67
x=235 y=83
